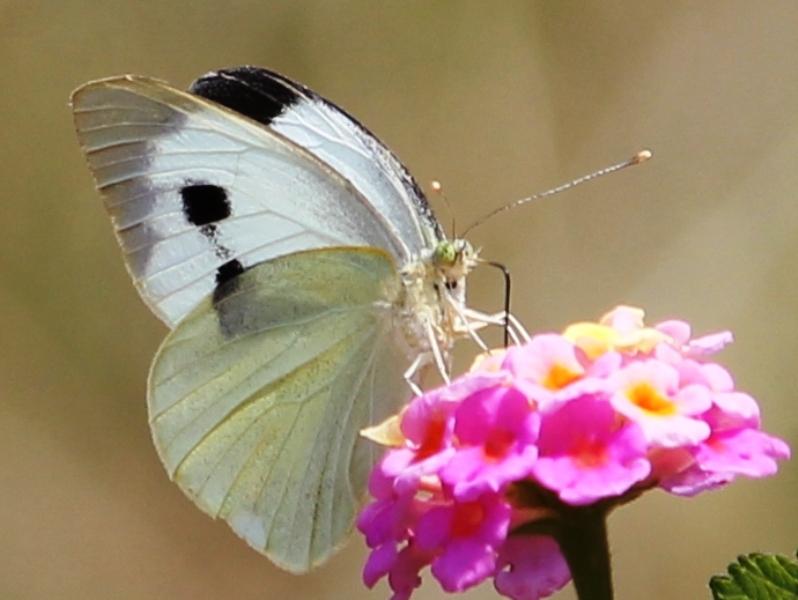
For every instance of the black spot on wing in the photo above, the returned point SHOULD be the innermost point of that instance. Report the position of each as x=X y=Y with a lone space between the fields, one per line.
x=209 y=231
x=224 y=274
x=255 y=93
x=204 y=203
x=231 y=317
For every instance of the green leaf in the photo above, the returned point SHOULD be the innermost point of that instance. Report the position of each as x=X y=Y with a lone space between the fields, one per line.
x=758 y=577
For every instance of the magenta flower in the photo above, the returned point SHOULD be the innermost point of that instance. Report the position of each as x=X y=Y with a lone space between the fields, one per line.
x=401 y=567
x=586 y=454
x=496 y=432
x=550 y=369
x=427 y=425
x=723 y=456
x=384 y=520
x=387 y=524
x=493 y=475
x=465 y=537
x=545 y=365
x=648 y=393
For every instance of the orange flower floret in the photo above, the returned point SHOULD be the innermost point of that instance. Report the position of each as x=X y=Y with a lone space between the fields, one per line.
x=620 y=330
x=647 y=397
x=559 y=376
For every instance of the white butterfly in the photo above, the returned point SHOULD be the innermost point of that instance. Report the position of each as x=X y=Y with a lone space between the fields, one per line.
x=303 y=275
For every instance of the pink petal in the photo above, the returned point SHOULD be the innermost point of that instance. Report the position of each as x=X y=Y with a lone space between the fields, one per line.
x=693 y=399
x=381 y=484
x=678 y=330
x=476 y=415
x=493 y=477
x=404 y=576
x=465 y=465
x=584 y=456
x=530 y=568
x=605 y=365
x=675 y=431
x=464 y=564
x=497 y=520
x=709 y=344
x=434 y=528
x=690 y=372
x=409 y=479
x=668 y=354
x=393 y=463
x=746 y=452
x=379 y=563
x=718 y=378
x=693 y=481
x=376 y=522
x=624 y=319
x=738 y=407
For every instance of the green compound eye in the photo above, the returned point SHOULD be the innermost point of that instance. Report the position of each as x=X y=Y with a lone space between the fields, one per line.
x=445 y=254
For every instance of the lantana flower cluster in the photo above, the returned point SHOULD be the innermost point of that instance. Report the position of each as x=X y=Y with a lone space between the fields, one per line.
x=599 y=413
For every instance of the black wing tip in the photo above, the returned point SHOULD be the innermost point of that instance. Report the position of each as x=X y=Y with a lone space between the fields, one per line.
x=263 y=95
x=254 y=92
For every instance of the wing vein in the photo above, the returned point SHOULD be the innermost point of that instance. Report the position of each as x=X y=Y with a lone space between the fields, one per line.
x=152 y=174
x=318 y=431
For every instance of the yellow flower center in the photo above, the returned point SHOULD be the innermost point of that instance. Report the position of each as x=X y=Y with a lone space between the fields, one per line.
x=594 y=339
x=646 y=396
x=559 y=376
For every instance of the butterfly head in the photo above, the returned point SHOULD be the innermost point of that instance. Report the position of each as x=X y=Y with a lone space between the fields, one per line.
x=454 y=259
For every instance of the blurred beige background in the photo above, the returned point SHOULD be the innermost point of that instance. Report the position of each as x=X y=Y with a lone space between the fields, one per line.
x=495 y=99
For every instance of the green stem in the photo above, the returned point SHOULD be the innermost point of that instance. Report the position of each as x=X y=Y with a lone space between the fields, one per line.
x=580 y=532
x=582 y=536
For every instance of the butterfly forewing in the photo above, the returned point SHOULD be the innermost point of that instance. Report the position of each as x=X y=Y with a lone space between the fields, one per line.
x=198 y=193
x=257 y=397
x=337 y=138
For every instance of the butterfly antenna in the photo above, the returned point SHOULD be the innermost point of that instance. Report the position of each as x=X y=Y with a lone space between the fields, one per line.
x=638 y=158
x=437 y=189
x=506 y=274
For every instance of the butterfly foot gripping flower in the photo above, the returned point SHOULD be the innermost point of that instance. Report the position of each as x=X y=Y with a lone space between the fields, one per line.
x=509 y=472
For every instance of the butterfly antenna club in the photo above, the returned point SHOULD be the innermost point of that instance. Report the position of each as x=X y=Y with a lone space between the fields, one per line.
x=437 y=189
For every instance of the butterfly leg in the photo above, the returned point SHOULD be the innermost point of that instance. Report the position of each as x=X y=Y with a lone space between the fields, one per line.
x=516 y=330
x=516 y=324
x=413 y=370
x=437 y=355
x=466 y=325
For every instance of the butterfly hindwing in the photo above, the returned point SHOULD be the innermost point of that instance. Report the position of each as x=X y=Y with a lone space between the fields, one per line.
x=198 y=193
x=257 y=397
